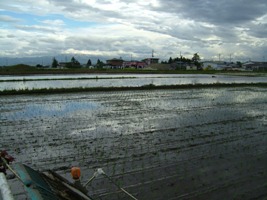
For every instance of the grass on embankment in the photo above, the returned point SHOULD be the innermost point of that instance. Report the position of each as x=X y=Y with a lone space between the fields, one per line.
x=145 y=87
x=65 y=79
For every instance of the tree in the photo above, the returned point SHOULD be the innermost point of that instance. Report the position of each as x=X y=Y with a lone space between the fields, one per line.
x=196 y=59
x=54 y=63
x=74 y=61
x=89 y=63
x=99 y=64
x=170 y=60
x=239 y=64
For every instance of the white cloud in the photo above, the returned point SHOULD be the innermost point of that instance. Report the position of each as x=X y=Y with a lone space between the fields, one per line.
x=37 y=28
x=6 y=18
x=53 y=23
x=135 y=27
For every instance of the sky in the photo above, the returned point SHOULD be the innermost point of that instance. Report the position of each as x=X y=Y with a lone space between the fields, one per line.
x=226 y=30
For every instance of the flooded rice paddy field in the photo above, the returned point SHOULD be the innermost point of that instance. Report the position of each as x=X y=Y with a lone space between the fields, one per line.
x=123 y=80
x=162 y=144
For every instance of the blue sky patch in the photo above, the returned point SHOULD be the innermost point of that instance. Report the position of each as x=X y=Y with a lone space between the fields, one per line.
x=30 y=19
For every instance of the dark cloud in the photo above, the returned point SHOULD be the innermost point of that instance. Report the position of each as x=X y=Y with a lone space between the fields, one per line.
x=258 y=30
x=81 y=11
x=223 y=12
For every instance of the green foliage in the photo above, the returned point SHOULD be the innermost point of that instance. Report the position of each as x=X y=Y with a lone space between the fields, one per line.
x=196 y=60
x=239 y=64
x=73 y=63
x=170 y=60
x=196 y=57
x=54 y=63
x=89 y=63
x=179 y=59
x=17 y=69
x=99 y=64
x=21 y=67
x=208 y=68
x=68 y=65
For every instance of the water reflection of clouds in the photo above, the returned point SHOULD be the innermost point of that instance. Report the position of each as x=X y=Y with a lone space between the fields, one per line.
x=56 y=109
x=212 y=95
x=252 y=95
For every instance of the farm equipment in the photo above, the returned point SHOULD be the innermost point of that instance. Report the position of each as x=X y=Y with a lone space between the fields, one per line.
x=47 y=185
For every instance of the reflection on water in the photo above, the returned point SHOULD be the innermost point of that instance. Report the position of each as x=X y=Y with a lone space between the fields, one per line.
x=125 y=80
x=56 y=109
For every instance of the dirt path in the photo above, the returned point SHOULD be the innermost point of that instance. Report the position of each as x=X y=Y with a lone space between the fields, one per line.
x=162 y=144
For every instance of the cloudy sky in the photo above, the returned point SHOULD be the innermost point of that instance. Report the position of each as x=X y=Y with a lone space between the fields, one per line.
x=125 y=28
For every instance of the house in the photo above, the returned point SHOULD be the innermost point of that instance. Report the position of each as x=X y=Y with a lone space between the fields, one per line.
x=150 y=61
x=115 y=63
x=255 y=66
x=191 y=67
x=181 y=65
x=134 y=64
x=63 y=65
x=215 y=65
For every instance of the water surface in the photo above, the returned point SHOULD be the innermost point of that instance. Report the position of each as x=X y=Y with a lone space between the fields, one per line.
x=120 y=80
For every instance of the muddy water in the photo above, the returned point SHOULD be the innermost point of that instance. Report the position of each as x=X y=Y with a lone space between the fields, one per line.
x=164 y=144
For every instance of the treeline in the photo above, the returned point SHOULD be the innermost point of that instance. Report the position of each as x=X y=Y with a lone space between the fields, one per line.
x=73 y=63
x=181 y=59
x=194 y=60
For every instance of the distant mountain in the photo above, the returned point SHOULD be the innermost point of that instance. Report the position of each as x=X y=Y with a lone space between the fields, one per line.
x=47 y=60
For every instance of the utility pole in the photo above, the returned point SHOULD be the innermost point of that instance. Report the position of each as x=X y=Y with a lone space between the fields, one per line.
x=152 y=53
x=230 y=57
x=180 y=60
